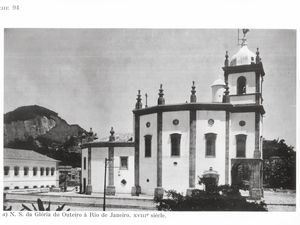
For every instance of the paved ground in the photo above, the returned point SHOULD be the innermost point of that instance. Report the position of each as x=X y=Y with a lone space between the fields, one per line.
x=280 y=201
x=276 y=201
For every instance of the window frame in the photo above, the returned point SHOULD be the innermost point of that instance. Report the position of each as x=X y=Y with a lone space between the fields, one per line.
x=84 y=163
x=241 y=82
x=52 y=171
x=35 y=171
x=16 y=171
x=175 y=139
x=47 y=171
x=148 y=145
x=241 y=138
x=26 y=169
x=6 y=170
x=121 y=166
x=42 y=171
x=210 y=137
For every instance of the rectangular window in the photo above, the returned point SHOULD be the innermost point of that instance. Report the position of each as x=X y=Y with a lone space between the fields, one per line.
x=241 y=145
x=42 y=171
x=175 y=144
x=34 y=170
x=210 y=144
x=52 y=171
x=16 y=170
x=123 y=163
x=84 y=163
x=148 y=139
x=6 y=170
x=26 y=171
x=47 y=171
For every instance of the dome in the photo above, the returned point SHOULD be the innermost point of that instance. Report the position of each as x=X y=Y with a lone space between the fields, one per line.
x=243 y=57
x=218 y=82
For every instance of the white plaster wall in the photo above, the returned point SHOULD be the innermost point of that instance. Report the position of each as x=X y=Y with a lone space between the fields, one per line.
x=248 y=129
x=250 y=82
x=148 y=165
x=120 y=174
x=242 y=99
x=21 y=180
x=175 y=176
x=84 y=172
x=203 y=163
x=97 y=171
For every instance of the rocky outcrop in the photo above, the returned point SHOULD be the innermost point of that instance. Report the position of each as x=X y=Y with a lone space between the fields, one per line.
x=37 y=123
x=21 y=130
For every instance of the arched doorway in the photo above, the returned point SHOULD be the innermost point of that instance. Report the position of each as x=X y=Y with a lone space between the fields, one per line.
x=240 y=175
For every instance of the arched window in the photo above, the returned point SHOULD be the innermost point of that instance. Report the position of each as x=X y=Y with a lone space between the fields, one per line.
x=210 y=144
x=175 y=144
x=148 y=139
x=241 y=85
x=241 y=145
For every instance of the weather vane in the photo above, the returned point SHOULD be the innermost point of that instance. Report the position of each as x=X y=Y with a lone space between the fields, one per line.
x=243 y=39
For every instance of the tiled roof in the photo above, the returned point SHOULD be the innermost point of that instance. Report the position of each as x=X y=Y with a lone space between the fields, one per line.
x=11 y=153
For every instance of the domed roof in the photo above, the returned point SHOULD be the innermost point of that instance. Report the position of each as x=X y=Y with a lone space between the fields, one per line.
x=243 y=57
x=218 y=82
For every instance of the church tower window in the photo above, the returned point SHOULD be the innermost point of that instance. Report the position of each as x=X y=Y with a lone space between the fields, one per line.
x=210 y=144
x=241 y=85
x=175 y=144
x=241 y=145
x=148 y=140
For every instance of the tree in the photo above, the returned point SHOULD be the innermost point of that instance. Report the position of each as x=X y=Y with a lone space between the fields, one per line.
x=279 y=164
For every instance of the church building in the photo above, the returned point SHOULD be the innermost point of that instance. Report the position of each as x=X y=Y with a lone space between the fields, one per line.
x=176 y=144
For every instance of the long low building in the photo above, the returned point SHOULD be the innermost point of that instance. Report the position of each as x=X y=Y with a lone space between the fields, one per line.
x=24 y=169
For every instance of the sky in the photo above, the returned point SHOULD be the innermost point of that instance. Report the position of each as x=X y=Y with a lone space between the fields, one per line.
x=90 y=77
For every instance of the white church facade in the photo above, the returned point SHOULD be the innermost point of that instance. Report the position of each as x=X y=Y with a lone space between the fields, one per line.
x=175 y=144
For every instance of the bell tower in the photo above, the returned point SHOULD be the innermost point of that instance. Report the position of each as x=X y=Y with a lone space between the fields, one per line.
x=244 y=76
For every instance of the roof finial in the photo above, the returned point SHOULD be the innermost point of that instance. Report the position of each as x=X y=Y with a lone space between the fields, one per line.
x=112 y=136
x=161 y=100
x=138 y=104
x=193 y=95
x=244 y=39
x=257 y=59
x=226 y=62
x=146 y=97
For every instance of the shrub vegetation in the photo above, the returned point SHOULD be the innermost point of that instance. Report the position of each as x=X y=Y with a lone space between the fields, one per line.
x=214 y=198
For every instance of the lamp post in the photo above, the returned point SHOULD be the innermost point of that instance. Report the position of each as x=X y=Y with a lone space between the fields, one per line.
x=104 y=192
